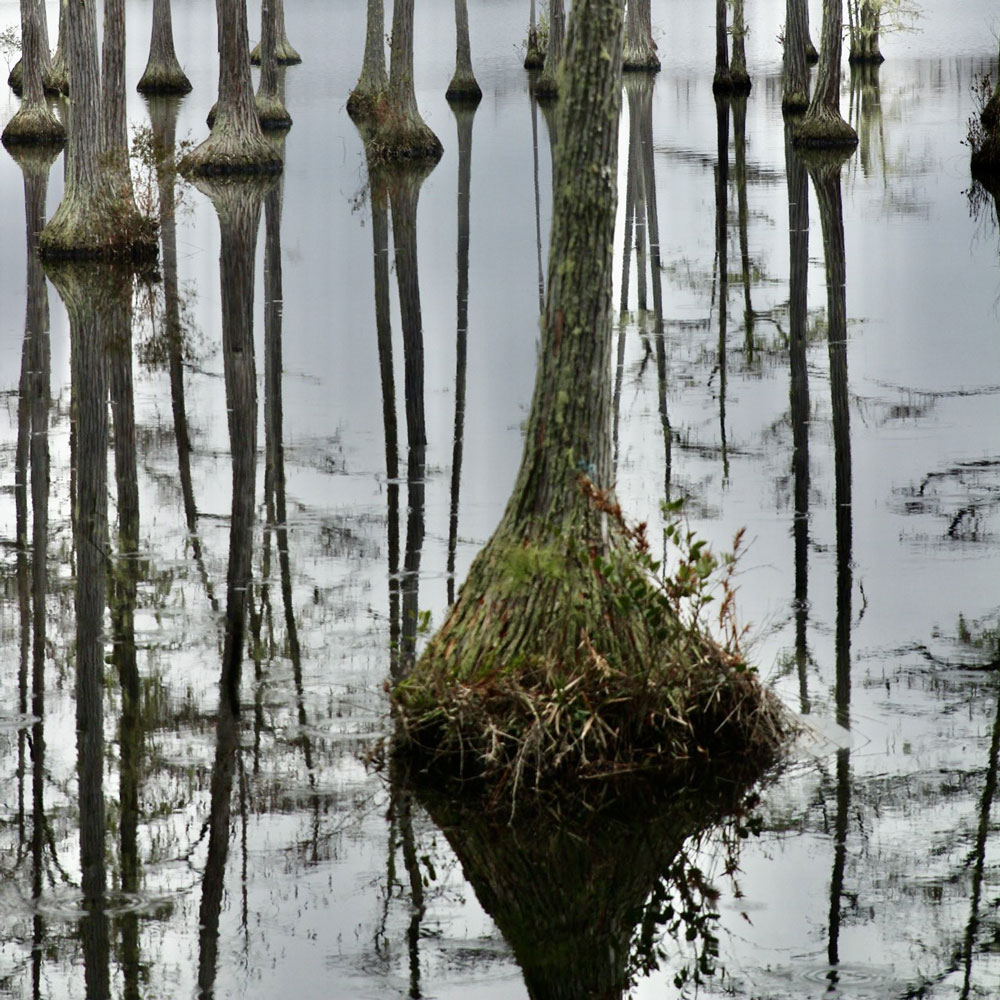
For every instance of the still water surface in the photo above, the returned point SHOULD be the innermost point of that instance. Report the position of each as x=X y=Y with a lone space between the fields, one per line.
x=865 y=467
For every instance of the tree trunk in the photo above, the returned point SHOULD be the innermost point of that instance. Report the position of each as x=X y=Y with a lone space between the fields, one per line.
x=534 y=57
x=822 y=126
x=114 y=123
x=640 y=49
x=236 y=144
x=547 y=84
x=33 y=123
x=93 y=220
x=284 y=49
x=373 y=82
x=738 y=67
x=546 y=603
x=865 y=25
x=400 y=132
x=57 y=78
x=795 y=71
x=463 y=86
x=722 y=82
x=163 y=73
x=270 y=106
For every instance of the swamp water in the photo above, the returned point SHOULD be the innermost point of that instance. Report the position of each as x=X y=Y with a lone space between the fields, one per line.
x=854 y=437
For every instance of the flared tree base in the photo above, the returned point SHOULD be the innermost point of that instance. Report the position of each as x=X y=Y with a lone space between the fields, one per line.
x=864 y=57
x=722 y=82
x=812 y=56
x=285 y=52
x=226 y=153
x=463 y=89
x=990 y=115
x=534 y=58
x=34 y=125
x=795 y=102
x=567 y=660
x=641 y=61
x=739 y=81
x=164 y=78
x=546 y=87
x=824 y=131
x=15 y=79
x=363 y=103
x=100 y=229
x=56 y=80
x=396 y=138
x=272 y=114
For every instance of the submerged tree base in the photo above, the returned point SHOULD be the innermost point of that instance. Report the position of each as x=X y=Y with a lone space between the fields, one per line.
x=362 y=105
x=795 y=102
x=572 y=660
x=824 y=131
x=225 y=153
x=164 y=78
x=101 y=229
x=34 y=126
x=641 y=62
x=393 y=137
x=272 y=114
x=463 y=90
x=985 y=160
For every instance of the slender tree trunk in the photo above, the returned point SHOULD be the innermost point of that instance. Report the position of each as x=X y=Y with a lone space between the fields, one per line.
x=285 y=51
x=113 y=122
x=722 y=110
x=738 y=74
x=163 y=73
x=374 y=81
x=57 y=79
x=463 y=86
x=534 y=57
x=270 y=106
x=640 y=49
x=237 y=144
x=865 y=25
x=722 y=81
x=33 y=123
x=400 y=132
x=547 y=84
x=822 y=126
x=795 y=71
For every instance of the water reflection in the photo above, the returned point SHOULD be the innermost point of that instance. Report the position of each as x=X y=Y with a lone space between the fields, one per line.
x=237 y=204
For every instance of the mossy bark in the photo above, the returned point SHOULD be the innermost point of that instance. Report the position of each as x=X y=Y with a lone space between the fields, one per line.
x=398 y=130
x=373 y=81
x=722 y=81
x=534 y=56
x=738 y=75
x=822 y=126
x=640 y=50
x=463 y=86
x=547 y=84
x=270 y=105
x=57 y=78
x=236 y=145
x=795 y=69
x=284 y=49
x=163 y=73
x=33 y=123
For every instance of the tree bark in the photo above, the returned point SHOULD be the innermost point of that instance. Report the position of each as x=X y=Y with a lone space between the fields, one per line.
x=822 y=126
x=163 y=73
x=374 y=81
x=236 y=144
x=738 y=75
x=463 y=86
x=57 y=78
x=113 y=122
x=534 y=57
x=400 y=132
x=722 y=81
x=795 y=70
x=93 y=220
x=33 y=123
x=547 y=84
x=640 y=49
x=865 y=25
x=270 y=106
x=285 y=51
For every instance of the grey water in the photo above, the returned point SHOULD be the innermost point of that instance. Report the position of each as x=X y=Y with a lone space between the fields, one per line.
x=871 y=508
